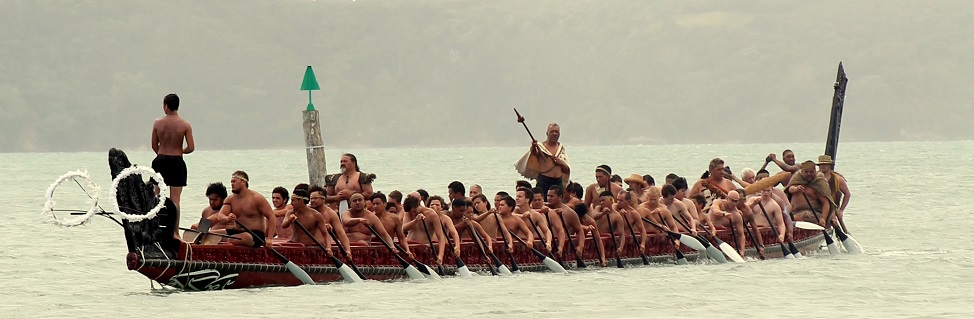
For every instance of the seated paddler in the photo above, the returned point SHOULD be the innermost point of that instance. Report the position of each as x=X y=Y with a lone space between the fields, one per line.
x=248 y=215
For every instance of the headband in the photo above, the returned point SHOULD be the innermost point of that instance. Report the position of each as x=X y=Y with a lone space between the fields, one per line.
x=241 y=177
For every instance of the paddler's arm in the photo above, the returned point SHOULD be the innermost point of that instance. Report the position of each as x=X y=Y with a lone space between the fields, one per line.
x=271 y=227
x=381 y=229
x=524 y=229
x=782 y=165
x=402 y=238
x=846 y=195
x=749 y=215
x=336 y=226
x=440 y=243
x=155 y=140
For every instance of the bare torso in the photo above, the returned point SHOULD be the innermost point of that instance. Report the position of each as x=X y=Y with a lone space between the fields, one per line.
x=168 y=133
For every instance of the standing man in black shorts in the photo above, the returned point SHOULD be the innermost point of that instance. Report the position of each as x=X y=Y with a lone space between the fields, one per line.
x=168 y=133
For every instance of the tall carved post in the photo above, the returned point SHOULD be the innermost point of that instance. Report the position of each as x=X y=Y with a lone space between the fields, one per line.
x=312 y=134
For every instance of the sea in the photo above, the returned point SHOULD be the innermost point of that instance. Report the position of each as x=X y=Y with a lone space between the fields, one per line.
x=910 y=210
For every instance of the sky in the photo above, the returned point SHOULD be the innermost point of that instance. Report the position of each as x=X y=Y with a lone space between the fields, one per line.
x=90 y=75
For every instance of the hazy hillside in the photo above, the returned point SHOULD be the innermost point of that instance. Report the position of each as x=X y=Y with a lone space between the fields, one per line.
x=88 y=75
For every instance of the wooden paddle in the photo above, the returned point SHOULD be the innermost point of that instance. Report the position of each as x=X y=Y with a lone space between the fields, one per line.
x=615 y=247
x=423 y=268
x=712 y=252
x=833 y=249
x=507 y=245
x=341 y=248
x=411 y=271
x=433 y=250
x=298 y=273
x=684 y=239
x=757 y=246
x=501 y=268
x=784 y=251
x=578 y=259
x=347 y=273
x=635 y=240
x=680 y=259
x=483 y=253
x=461 y=267
x=548 y=262
x=541 y=238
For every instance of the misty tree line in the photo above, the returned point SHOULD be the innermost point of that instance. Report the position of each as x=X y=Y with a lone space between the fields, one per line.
x=91 y=75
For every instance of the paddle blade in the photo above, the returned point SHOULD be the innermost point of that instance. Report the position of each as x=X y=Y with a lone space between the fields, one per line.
x=680 y=259
x=414 y=273
x=852 y=245
x=730 y=252
x=504 y=271
x=432 y=273
x=715 y=254
x=789 y=256
x=553 y=265
x=692 y=243
x=299 y=273
x=833 y=248
x=808 y=226
x=464 y=272
x=348 y=274
x=794 y=250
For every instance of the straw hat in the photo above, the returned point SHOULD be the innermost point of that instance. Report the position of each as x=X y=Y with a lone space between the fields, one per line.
x=825 y=159
x=636 y=178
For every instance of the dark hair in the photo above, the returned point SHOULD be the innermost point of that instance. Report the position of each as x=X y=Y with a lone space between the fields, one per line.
x=669 y=178
x=483 y=198
x=577 y=189
x=171 y=101
x=283 y=192
x=317 y=188
x=424 y=194
x=245 y=176
x=354 y=160
x=559 y=190
x=528 y=194
x=700 y=199
x=395 y=196
x=608 y=170
x=502 y=193
x=509 y=201
x=301 y=190
x=389 y=205
x=615 y=178
x=457 y=187
x=786 y=152
x=581 y=209
x=437 y=198
x=705 y=175
x=378 y=195
x=410 y=203
x=680 y=183
x=459 y=203
x=605 y=193
x=668 y=190
x=523 y=183
x=538 y=190
x=763 y=171
x=649 y=180
x=216 y=188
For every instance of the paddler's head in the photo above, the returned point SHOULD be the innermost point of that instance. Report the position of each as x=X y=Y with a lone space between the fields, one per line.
x=734 y=198
x=606 y=199
x=788 y=156
x=653 y=194
x=602 y=174
x=555 y=192
x=358 y=202
x=239 y=181
x=300 y=196
x=825 y=163
x=762 y=174
x=808 y=170
x=505 y=205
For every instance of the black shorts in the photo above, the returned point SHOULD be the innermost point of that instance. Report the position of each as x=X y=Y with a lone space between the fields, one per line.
x=258 y=242
x=172 y=169
x=545 y=182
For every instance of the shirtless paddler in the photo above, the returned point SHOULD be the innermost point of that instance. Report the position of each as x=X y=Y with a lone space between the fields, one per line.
x=251 y=210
